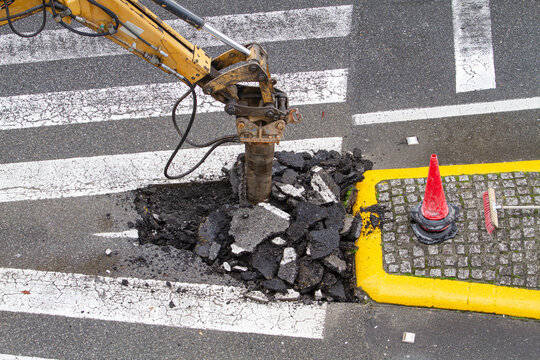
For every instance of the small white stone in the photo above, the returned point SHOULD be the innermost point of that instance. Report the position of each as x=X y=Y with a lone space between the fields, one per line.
x=291 y=295
x=108 y=252
x=308 y=251
x=279 y=241
x=318 y=295
x=289 y=255
x=291 y=190
x=237 y=250
x=412 y=140
x=108 y=271
x=226 y=266
x=408 y=337
x=239 y=268
x=257 y=296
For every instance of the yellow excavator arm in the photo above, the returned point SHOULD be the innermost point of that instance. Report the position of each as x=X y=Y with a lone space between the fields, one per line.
x=239 y=78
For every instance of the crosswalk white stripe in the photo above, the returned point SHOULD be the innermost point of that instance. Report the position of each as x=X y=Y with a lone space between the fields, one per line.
x=153 y=302
x=297 y=24
x=20 y=357
x=473 y=50
x=439 y=112
x=151 y=100
x=49 y=179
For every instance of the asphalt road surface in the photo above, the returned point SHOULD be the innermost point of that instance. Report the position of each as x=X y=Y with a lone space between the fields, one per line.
x=82 y=124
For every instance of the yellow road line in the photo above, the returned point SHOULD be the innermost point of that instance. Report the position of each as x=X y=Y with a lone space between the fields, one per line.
x=440 y=293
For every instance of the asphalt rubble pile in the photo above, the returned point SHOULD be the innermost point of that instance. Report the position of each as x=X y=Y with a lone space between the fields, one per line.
x=298 y=245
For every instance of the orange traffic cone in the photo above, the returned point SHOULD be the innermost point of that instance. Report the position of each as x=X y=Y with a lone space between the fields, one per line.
x=433 y=221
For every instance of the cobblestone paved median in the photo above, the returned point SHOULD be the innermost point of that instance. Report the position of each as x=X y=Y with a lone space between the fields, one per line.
x=510 y=256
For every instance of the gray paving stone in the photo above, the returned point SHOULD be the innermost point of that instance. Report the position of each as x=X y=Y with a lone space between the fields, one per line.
x=419 y=263
x=405 y=267
x=418 y=251
x=389 y=258
x=450 y=272
x=463 y=274
x=489 y=275
x=435 y=272
x=463 y=261
x=476 y=274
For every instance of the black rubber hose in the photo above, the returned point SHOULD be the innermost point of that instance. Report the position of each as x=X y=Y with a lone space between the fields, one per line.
x=229 y=138
x=8 y=18
x=216 y=142
x=83 y=33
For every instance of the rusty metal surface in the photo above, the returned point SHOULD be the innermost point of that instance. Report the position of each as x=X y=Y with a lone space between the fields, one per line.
x=258 y=171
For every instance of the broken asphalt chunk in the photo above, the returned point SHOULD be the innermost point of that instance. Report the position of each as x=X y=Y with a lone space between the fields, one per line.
x=310 y=274
x=309 y=213
x=266 y=259
x=334 y=263
x=288 y=268
x=211 y=235
x=355 y=229
x=323 y=242
x=276 y=285
x=334 y=220
x=290 y=159
x=296 y=191
x=262 y=221
x=291 y=295
x=325 y=186
x=289 y=177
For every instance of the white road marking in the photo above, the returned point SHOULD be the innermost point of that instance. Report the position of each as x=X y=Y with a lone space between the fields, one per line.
x=151 y=100
x=152 y=302
x=128 y=234
x=439 y=112
x=19 y=357
x=473 y=51
x=49 y=179
x=298 y=24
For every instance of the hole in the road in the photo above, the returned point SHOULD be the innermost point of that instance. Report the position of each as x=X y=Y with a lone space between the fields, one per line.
x=298 y=245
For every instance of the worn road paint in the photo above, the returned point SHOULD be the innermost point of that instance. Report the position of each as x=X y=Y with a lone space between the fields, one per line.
x=473 y=51
x=128 y=234
x=86 y=176
x=298 y=24
x=153 y=302
x=439 y=112
x=151 y=100
x=19 y=357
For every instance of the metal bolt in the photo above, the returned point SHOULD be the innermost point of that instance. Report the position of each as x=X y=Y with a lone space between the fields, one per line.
x=261 y=77
x=252 y=68
x=280 y=126
x=270 y=113
x=241 y=126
